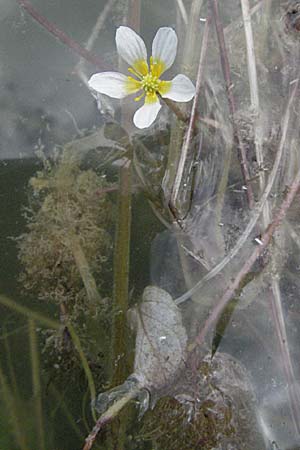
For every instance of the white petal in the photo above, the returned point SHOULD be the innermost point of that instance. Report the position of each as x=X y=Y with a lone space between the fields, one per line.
x=145 y=116
x=112 y=84
x=182 y=89
x=130 y=45
x=164 y=46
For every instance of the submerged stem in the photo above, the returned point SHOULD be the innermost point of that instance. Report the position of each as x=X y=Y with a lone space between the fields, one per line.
x=231 y=100
x=275 y=298
x=36 y=383
x=256 y=212
x=182 y=116
x=108 y=416
x=59 y=34
x=179 y=126
x=93 y=36
x=27 y=312
x=11 y=408
x=254 y=95
x=84 y=362
x=121 y=279
x=120 y=359
x=265 y=241
x=82 y=264
x=190 y=130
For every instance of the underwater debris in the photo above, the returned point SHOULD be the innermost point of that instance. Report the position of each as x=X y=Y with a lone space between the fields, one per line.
x=212 y=408
x=292 y=18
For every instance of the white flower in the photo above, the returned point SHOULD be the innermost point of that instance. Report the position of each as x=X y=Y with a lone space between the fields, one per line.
x=146 y=81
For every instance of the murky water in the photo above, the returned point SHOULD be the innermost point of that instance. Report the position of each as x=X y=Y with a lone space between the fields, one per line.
x=150 y=271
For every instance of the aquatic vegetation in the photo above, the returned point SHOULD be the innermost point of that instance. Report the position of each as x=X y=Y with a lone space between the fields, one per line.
x=132 y=49
x=63 y=252
x=212 y=408
x=68 y=240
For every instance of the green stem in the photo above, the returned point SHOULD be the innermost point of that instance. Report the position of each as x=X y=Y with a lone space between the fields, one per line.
x=61 y=405
x=11 y=408
x=11 y=304
x=84 y=362
x=119 y=348
x=120 y=361
x=9 y=362
x=121 y=277
x=108 y=416
x=180 y=123
x=185 y=154
x=181 y=115
x=36 y=382
x=192 y=36
x=82 y=264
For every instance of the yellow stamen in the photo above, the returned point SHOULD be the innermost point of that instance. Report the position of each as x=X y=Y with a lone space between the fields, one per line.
x=151 y=97
x=157 y=67
x=164 y=87
x=134 y=72
x=133 y=85
x=137 y=99
x=148 y=81
x=141 y=67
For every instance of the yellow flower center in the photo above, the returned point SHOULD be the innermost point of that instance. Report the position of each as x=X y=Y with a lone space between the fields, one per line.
x=150 y=83
x=148 y=80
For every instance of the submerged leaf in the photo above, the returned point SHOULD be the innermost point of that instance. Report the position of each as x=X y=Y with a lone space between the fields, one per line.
x=160 y=352
x=161 y=339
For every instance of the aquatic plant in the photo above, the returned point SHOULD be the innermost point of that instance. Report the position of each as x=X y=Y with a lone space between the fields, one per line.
x=223 y=183
x=68 y=239
x=67 y=243
x=212 y=407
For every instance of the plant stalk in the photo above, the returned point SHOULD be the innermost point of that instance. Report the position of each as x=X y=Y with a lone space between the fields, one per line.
x=256 y=212
x=108 y=416
x=82 y=264
x=36 y=382
x=231 y=101
x=265 y=241
x=62 y=36
x=190 y=130
x=275 y=297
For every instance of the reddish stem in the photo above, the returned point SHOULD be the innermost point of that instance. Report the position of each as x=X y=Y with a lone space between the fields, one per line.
x=63 y=37
x=265 y=240
x=93 y=434
x=231 y=101
x=192 y=122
